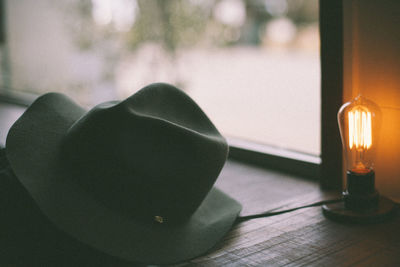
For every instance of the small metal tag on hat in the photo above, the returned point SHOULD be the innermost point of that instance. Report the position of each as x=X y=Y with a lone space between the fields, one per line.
x=159 y=219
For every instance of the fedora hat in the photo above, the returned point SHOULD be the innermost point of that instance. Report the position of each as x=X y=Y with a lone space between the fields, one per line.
x=132 y=178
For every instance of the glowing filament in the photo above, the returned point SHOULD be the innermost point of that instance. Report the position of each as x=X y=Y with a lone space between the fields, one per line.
x=360 y=132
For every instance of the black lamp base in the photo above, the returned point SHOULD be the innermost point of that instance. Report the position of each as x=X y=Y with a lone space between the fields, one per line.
x=384 y=210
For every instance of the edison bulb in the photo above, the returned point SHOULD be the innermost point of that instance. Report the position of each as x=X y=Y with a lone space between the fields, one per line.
x=359 y=123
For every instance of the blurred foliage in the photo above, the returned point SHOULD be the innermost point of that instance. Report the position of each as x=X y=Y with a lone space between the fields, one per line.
x=184 y=23
x=81 y=24
x=170 y=23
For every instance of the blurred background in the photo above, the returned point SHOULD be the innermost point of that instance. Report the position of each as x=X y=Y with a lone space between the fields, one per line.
x=253 y=66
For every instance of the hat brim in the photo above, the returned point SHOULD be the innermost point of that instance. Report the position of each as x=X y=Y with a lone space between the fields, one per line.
x=33 y=150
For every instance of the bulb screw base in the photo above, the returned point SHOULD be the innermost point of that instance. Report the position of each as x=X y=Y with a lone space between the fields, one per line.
x=360 y=194
x=362 y=202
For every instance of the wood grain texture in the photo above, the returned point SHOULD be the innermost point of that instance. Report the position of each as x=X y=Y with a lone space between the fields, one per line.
x=300 y=238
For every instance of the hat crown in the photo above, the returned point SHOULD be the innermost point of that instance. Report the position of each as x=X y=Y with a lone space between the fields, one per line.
x=153 y=154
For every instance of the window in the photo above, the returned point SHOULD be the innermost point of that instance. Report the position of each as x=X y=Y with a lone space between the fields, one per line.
x=253 y=66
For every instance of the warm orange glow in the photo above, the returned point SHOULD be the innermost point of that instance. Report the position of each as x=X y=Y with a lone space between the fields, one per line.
x=360 y=131
x=361 y=169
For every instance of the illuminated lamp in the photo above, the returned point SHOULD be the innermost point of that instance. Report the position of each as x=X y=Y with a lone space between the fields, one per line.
x=359 y=123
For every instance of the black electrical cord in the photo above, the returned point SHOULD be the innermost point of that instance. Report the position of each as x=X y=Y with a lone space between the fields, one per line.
x=273 y=213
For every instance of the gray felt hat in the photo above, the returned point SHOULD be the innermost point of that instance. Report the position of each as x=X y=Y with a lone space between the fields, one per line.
x=133 y=179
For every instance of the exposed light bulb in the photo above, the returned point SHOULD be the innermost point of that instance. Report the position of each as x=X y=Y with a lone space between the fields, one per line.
x=359 y=123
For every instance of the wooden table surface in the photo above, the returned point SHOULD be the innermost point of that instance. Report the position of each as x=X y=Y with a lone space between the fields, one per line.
x=300 y=238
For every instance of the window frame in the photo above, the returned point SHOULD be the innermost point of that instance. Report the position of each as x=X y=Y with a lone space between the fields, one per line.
x=327 y=168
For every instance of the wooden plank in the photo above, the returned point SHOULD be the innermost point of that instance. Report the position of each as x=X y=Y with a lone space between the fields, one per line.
x=300 y=238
